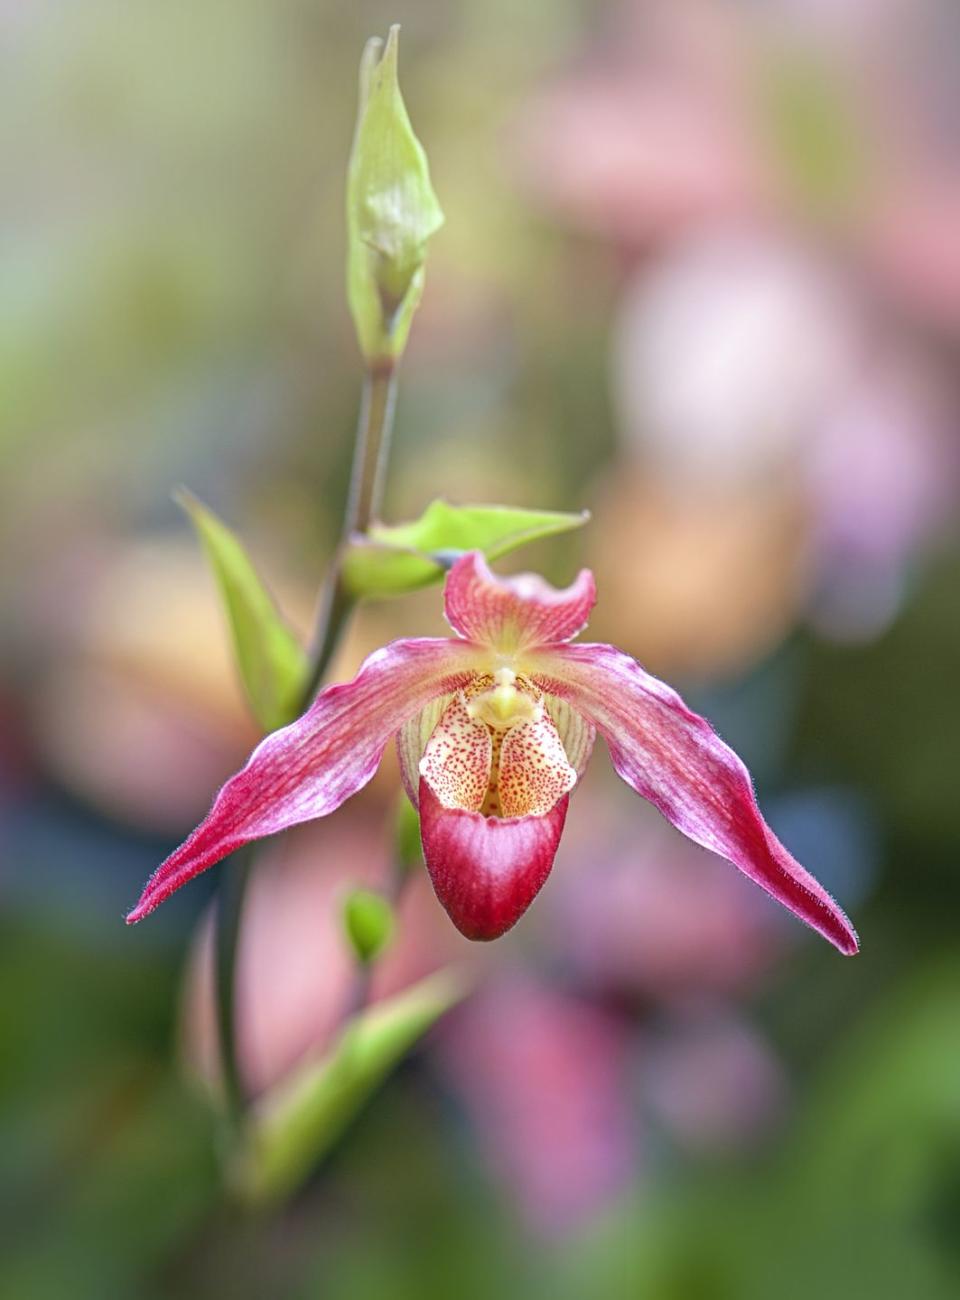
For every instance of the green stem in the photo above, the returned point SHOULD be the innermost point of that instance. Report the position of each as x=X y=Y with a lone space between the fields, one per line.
x=370 y=456
x=234 y=874
x=372 y=449
x=333 y=610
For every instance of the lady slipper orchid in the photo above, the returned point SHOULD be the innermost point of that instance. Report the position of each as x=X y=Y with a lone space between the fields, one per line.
x=493 y=729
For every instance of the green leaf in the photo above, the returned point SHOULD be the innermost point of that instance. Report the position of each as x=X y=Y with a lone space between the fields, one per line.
x=391 y=209
x=392 y=559
x=300 y=1119
x=272 y=663
x=368 y=921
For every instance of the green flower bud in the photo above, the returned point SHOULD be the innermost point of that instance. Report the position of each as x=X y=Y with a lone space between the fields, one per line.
x=368 y=921
x=391 y=210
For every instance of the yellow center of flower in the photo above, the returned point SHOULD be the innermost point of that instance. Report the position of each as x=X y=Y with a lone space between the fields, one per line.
x=495 y=750
x=504 y=703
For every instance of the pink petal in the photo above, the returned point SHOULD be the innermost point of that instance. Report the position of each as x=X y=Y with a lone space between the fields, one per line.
x=487 y=870
x=673 y=757
x=308 y=769
x=516 y=613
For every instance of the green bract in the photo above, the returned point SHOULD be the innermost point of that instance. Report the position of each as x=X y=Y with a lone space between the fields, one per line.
x=271 y=662
x=391 y=559
x=303 y=1116
x=391 y=210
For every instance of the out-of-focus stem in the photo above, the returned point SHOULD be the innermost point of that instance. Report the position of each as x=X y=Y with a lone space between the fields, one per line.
x=372 y=449
x=233 y=884
x=334 y=607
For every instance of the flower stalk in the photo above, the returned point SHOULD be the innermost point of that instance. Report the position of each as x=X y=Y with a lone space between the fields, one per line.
x=391 y=213
x=230 y=898
x=367 y=480
x=371 y=453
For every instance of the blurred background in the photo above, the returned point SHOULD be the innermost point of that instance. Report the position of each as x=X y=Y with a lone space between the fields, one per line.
x=700 y=274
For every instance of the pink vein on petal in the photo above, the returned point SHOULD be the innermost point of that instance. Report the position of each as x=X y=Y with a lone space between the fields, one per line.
x=309 y=768
x=674 y=758
x=518 y=612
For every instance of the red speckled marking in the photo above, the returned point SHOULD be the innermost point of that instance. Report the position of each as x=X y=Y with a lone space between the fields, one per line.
x=534 y=771
x=515 y=771
x=487 y=870
x=458 y=757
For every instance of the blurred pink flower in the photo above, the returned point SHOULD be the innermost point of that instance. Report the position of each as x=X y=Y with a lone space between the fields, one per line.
x=740 y=364
x=650 y=133
x=494 y=729
x=563 y=1092
x=711 y=1080
x=651 y=916
x=726 y=353
x=542 y=1074
x=664 y=128
x=783 y=193
x=883 y=477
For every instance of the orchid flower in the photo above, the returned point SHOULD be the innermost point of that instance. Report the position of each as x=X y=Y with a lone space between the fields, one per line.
x=494 y=729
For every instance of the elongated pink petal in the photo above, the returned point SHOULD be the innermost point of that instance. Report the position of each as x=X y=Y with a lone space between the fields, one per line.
x=487 y=870
x=308 y=769
x=674 y=758
x=516 y=613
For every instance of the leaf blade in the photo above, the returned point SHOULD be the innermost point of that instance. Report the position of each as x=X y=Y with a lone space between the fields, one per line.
x=393 y=559
x=299 y=1121
x=270 y=660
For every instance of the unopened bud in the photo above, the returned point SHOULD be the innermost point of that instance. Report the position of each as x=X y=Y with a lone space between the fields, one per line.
x=391 y=210
x=368 y=921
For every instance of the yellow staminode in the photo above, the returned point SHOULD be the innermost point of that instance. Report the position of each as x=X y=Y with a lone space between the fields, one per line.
x=505 y=704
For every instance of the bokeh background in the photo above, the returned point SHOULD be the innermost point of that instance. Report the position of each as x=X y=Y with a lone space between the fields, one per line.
x=700 y=274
